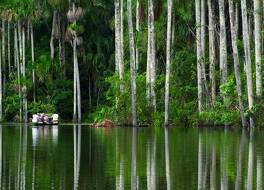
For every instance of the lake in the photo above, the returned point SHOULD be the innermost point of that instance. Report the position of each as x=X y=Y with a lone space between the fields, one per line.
x=79 y=157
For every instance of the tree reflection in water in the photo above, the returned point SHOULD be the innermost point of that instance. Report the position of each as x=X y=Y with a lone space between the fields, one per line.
x=130 y=158
x=77 y=133
x=134 y=184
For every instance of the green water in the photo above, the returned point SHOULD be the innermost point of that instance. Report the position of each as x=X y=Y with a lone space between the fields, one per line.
x=79 y=157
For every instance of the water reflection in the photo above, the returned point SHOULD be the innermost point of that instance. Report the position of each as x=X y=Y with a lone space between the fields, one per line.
x=250 y=162
x=125 y=158
x=1 y=154
x=151 y=163
x=134 y=160
x=167 y=158
x=77 y=133
x=22 y=158
x=239 y=161
x=213 y=169
x=259 y=173
x=247 y=174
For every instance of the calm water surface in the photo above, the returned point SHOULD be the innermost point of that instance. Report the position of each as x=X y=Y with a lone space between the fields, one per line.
x=79 y=157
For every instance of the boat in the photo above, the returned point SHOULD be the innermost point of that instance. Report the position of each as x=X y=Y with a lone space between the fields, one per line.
x=45 y=119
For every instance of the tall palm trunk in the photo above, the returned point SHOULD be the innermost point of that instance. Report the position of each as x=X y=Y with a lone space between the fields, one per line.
x=121 y=69
x=33 y=61
x=257 y=29
x=8 y=47
x=153 y=56
x=203 y=30
x=121 y=65
x=247 y=57
x=3 y=54
x=52 y=49
x=118 y=42
x=17 y=65
x=132 y=63
x=199 y=54
x=151 y=62
x=137 y=29
x=24 y=89
x=148 y=78
x=1 y=88
x=236 y=60
x=117 y=35
x=223 y=48
x=168 y=62
x=212 y=53
x=76 y=88
x=74 y=83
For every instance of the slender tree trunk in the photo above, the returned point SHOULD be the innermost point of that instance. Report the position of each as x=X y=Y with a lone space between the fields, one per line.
x=247 y=57
x=173 y=28
x=20 y=46
x=8 y=47
x=33 y=61
x=52 y=49
x=1 y=88
x=257 y=29
x=205 y=90
x=78 y=90
x=118 y=43
x=17 y=60
x=168 y=60
x=237 y=18
x=24 y=89
x=199 y=55
x=121 y=46
x=122 y=38
x=236 y=60
x=212 y=53
x=28 y=32
x=74 y=84
x=60 y=23
x=3 y=55
x=153 y=56
x=223 y=48
x=132 y=63
x=203 y=30
x=148 y=71
x=63 y=49
x=117 y=35
x=137 y=29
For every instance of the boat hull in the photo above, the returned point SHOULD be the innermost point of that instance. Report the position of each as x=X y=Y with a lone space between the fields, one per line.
x=42 y=124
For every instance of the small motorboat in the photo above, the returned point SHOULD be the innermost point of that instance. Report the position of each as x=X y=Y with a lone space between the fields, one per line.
x=45 y=119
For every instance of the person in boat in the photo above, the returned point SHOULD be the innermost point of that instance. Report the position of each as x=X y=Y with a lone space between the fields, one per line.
x=42 y=118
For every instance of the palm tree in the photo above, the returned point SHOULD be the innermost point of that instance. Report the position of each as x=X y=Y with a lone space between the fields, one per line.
x=132 y=63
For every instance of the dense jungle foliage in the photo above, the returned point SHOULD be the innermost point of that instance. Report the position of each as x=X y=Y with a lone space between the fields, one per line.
x=100 y=83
